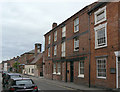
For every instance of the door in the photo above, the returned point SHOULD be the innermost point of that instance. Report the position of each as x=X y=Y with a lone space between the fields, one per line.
x=71 y=71
x=118 y=72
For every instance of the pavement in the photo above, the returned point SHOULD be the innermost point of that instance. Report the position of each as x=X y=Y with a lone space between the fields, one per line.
x=66 y=85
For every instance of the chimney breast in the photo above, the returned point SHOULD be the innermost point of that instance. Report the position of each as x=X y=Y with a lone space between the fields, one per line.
x=38 y=48
x=54 y=25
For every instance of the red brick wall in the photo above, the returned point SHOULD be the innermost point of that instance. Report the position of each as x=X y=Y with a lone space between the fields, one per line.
x=112 y=45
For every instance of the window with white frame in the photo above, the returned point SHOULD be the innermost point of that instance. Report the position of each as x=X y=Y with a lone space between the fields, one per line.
x=58 y=69
x=49 y=39
x=64 y=31
x=63 y=49
x=101 y=36
x=76 y=25
x=100 y=15
x=81 y=69
x=76 y=44
x=54 y=68
x=55 y=36
x=49 y=52
x=101 y=68
x=55 y=50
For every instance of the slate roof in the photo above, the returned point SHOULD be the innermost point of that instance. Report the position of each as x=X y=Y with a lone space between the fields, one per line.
x=39 y=56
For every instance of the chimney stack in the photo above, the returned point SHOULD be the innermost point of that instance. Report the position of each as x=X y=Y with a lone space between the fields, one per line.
x=38 y=48
x=54 y=25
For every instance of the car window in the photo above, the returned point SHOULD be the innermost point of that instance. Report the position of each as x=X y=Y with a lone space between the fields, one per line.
x=15 y=76
x=24 y=82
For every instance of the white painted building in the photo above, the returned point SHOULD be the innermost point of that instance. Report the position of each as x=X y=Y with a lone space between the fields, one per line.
x=5 y=67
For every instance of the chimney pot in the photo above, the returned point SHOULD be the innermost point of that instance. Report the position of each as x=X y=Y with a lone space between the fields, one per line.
x=54 y=25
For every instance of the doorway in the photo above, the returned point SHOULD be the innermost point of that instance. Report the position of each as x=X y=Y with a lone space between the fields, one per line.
x=118 y=72
x=71 y=71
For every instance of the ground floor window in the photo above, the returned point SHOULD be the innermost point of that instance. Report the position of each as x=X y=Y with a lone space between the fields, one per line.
x=54 y=68
x=81 y=69
x=101 y=68
x=58 y=68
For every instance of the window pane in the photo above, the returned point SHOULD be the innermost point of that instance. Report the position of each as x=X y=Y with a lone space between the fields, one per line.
x=101 y=67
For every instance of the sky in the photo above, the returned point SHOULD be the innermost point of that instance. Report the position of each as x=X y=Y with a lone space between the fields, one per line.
x=24 y=23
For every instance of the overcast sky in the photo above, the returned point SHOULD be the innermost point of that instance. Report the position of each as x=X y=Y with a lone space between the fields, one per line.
x=25 y=23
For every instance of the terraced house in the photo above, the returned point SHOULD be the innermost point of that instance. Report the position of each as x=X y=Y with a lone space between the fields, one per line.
x=85 y=48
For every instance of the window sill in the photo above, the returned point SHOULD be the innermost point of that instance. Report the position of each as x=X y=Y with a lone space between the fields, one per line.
x=98 y=47
x=101 y=77
x=76 y=31
x=54 y=73
x=58 y=73
x=99 y=22
x=81 y=76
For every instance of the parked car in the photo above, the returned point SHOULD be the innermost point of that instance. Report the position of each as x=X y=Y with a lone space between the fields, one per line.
x=21 y=85
x=9 y=76
x=4 y=73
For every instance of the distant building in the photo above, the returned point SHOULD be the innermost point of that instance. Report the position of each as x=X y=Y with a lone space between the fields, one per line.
x=35 y=68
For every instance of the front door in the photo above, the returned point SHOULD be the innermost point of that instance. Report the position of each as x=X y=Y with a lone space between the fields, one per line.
x=118 y=72
x=71 y=71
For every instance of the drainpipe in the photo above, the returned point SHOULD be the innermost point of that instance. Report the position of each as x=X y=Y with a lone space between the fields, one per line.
x=89 y=49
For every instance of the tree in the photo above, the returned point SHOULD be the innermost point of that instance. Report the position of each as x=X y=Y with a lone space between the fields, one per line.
x=16 y=66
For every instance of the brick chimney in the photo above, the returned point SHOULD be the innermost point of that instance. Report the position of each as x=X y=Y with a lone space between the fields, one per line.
x=54 y=25
x=38 y=48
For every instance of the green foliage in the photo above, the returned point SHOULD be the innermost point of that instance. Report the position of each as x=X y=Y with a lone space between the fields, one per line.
x=16 y=66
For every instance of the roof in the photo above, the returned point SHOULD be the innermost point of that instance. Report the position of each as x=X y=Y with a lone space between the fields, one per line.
x=13 y=74
x=21 y=78
x=96 y=6
x=67 y=19
x=30 y=52
x=38 y=57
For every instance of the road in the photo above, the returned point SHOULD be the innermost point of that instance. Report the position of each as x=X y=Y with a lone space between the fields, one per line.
x=46 y=85
x=42 y=84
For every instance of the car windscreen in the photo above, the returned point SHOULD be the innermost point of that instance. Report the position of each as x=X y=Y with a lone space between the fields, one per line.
x=24 y=82
x=15 y=76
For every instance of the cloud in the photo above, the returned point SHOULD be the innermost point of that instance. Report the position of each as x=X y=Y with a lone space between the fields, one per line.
x=25 y=23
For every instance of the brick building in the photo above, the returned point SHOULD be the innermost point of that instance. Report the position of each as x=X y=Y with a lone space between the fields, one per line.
x=67 y=49
x=105 y=44
x=85 y=48
x=35 y=67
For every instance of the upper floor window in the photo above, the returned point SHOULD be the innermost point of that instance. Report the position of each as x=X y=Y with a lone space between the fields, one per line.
x=101 y=68
x=63 y=49
x=55 y=50
x=49 y=52
x=81 y=69
x=64 y=31
x=76 y=25
x=101 y=36
x=100 y=15
x=49 y=39
x=76 y=44
x=55 y=36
